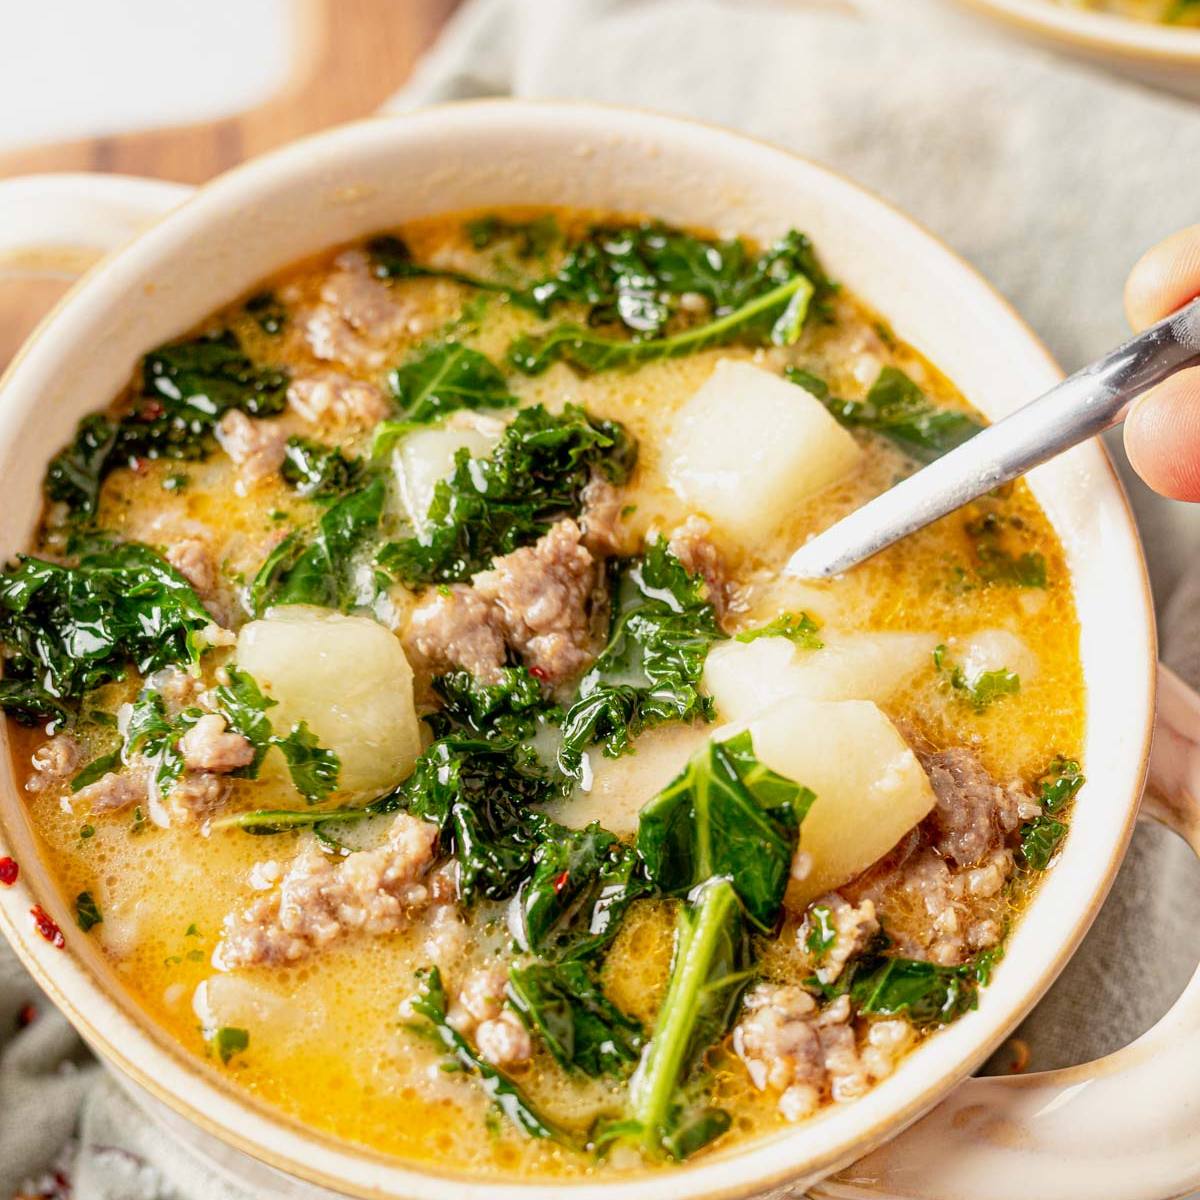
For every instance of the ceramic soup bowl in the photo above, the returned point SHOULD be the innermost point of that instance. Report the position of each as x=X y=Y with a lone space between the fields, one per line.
x=1164 y=56
x=1121 y=1128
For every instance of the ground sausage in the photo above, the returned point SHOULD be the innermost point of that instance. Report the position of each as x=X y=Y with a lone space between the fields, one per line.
x=542 y=594
x=332 y=396
x=852 y=926
x=457 y=627
x=357 y=315
x=974 y=814
x=691 y=543
x=806 y=1053
x=256 y=445
x=481 y=1014
x=53 y=762
x=320 y=898
x=600 y=519
x=117 y=789
x=209 y=746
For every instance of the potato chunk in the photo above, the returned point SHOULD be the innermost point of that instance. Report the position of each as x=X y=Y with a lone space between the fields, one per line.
x=347 y=677
x=426 y=456
x=870 y=788
x=746 y=677
x=749 y=446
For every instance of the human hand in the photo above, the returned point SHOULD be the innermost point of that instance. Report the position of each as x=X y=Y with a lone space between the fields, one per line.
x=1162 y=431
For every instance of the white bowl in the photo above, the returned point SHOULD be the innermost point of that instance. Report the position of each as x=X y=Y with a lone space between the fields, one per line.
x=363 y=177
x=1164 y=56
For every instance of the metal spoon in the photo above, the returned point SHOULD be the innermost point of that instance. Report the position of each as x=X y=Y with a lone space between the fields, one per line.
x=1083 y=405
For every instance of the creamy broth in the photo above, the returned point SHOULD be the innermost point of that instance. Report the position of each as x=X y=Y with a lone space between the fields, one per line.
x=324 y=1036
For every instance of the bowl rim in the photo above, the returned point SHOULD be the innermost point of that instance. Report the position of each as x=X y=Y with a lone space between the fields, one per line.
x=427 y=1177
x=1109 y=33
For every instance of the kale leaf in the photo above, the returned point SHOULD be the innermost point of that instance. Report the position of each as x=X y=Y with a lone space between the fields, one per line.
x=723 y=834
x=1041 y=837
x=66 y=630
x=316 y=565
x=314 y=770
x=510 y=708
x=782 y=310
x=530 y=239
x=727 y=814
x=925 y=993
x=430 y=1002
x=995 y=563
x=572 y=904
x=637 y=275
x=796 y=627
x=480 y=793
x=186 y=387
x=984 y=689
x=87 y=912
x=268 y=312
x=584 y=1031
x=490 y=506
x=709 y=971
x=446 y=378
x=318 y=471
x=649 y=671
x=896 y=408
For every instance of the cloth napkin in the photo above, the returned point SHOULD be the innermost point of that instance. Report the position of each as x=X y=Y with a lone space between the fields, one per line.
x=1049 y=176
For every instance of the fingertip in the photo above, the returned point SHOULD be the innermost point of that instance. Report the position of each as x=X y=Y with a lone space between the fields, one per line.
x=1164 y=278
x=1162 y=436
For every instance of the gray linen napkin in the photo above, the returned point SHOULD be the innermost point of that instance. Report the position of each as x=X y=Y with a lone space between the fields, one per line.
x=1049 y=177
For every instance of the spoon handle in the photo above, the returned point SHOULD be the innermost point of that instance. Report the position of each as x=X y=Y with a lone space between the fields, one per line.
x=1083 y=405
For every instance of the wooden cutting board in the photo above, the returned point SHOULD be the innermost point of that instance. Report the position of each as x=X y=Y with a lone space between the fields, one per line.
x=349 y=56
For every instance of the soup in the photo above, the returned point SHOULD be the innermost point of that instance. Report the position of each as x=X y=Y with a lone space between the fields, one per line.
x=409 y=699
x=1170 y=12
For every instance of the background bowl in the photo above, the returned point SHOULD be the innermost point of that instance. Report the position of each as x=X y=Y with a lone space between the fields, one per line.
x=1164 y=56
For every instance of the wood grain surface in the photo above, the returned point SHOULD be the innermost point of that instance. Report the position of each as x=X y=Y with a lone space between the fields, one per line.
x=347 y=57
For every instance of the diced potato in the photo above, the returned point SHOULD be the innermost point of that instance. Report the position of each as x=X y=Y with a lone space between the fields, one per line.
x=993 y=650
x=426 y=456
x=746 y=677
x=347 y=677
x=870 y=788
x=749 y=446
x=265 y=1013
x=618 y=787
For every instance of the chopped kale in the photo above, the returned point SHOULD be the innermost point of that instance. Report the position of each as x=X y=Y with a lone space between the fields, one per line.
x=186 y=388
x=448 y=377
x=796 y=627
x=563 y=1003
x=924 y=993
x=529 y=239
x=775 y=317
x=228 y=1041
x=897 y=409
x=649 y=671
x=995 y=563
x=87 y=912
x=490 y=506
x=480 y=794
x=709 y=971
x=1041 y=837
x=581 y=885
x=318 y=471
x=317 y=565
x=984 y=689
x=510 y=708
x=314 y=770
x=727 y=815
x=429 y=1002
x=66 y=630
